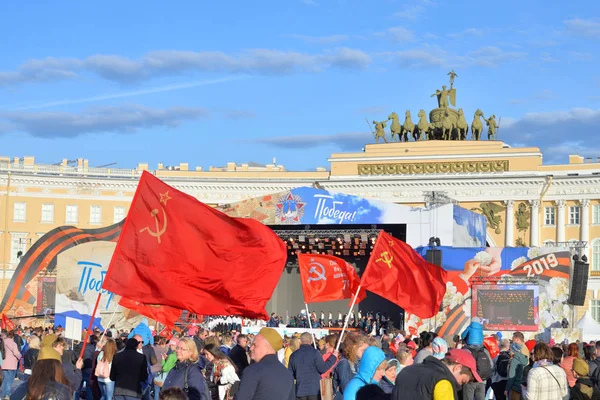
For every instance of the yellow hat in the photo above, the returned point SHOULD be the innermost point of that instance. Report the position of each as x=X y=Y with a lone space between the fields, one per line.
x=273 y=337
x=48 y=353
x=48 y=340
x=581 y=367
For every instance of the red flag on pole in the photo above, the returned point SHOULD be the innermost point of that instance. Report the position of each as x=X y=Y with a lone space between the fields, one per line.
x=163 y=314
x=178 y=252
x=327 y=278
x=7 y=324
x=398 y=273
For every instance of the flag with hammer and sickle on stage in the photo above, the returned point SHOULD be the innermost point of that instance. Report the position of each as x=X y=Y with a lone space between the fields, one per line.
x=160 y=230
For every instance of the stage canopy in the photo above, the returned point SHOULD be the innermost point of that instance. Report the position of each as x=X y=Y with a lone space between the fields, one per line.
x=590 y=328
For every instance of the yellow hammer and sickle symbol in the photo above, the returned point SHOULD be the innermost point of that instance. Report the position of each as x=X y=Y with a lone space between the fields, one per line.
x=159 y=231
x=386 y=258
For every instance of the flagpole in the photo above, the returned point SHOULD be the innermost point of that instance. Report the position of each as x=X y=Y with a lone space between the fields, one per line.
x=337 y=348
x=310 y=325
x=91 y=325
x=109 y=322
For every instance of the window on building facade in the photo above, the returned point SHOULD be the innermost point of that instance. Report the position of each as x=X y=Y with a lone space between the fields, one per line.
x=574 y=215
x=47 y=212
x=72 y=214
x=20 y=212
x=596 y=255
x=550 y=218
x=119 y=214
x=95 y=215
x=18 y=243
x=596 y=214
x=595 y=309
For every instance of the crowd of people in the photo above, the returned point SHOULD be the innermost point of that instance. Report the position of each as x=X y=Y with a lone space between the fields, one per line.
x=202 y=364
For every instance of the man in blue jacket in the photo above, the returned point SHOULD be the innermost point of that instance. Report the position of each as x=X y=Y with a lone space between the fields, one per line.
x=307 y=366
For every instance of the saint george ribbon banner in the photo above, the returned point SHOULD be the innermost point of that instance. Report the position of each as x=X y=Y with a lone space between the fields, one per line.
x=327 y=278
x=176 y=251
x=396 y=272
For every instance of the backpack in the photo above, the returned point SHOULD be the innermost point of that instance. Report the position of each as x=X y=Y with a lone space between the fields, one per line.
x=483 y=362
x=502 y=364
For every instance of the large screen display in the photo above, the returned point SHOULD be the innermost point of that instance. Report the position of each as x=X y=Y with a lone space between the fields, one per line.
x=506 y=307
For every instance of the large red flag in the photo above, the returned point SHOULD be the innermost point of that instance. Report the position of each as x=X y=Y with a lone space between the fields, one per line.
x=398 y=273
x=7 y=324
x=163 y=314
x=327 y=278
x=178 y=252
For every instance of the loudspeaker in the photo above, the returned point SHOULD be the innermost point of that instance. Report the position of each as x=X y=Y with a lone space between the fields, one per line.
x=579 y=282
x=434 y=257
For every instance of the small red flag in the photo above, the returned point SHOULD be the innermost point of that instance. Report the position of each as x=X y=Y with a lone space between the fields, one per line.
x=327 y=278
x=395 y=271
x=178 y=252
x=7 y=324
x=163 y=314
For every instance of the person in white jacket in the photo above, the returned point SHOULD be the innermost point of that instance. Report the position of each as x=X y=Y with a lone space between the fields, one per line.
x=224 y=374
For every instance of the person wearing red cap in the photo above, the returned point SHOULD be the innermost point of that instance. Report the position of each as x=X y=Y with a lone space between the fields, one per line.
x=437 y=379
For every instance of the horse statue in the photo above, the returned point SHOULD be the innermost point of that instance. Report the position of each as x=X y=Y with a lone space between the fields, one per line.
x=447 y=126
x=423 y=128
x=462 y=126
x=409 y=127
x=476 y=125
x=395 y=128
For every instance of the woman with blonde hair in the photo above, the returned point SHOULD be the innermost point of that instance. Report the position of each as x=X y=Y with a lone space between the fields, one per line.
x=31 y=356
x=187 y=373
x=353 y=347
x=103 y=365
x=292 y=347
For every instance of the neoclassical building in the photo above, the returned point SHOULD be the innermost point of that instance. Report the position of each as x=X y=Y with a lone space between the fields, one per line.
x=526 y=202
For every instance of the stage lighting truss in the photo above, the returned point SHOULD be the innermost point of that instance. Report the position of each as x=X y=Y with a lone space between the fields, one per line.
x=498 y=280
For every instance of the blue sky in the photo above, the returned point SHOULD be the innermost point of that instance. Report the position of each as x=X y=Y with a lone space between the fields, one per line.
x=213 y=82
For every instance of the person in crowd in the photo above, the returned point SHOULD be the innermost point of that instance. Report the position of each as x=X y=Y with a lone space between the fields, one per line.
x=71 y=371
x=483 y=360
x=88 y=361
x=589 y=356
x=331 y=342
x=370 y=371
x=9 y=364
x=517 y=364
x=30 y=356
x=519 y=338
x=559 y=355
x=293 y=345
x=103 y=367
x=307 y=365
x=567 y=363
x=47 y=380
x=187 y=372
x=439 y=348
x=546 y=381
x=389 y=379
x=266 y=378
x=584 y=388
x=173 y=394
x=160 y=350
x=372 y=392
x=405 y=356
x=353 y=347
x=473 y=334
x=239 y=355
x=437 y=379
x=426 y=351
x=227 y=344
x=501 y=368
x=223 y=375
x=128 y=370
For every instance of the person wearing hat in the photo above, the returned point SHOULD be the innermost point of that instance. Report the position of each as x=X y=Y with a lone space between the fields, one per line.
x=439 y=347
x=584 y=388
x=266 y=378
x=47 y=379
x=437 y=379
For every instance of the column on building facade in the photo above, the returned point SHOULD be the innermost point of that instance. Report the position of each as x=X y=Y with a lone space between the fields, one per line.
x=585 y=226
x=560 y=220
x=509 y=239
x=535 y=223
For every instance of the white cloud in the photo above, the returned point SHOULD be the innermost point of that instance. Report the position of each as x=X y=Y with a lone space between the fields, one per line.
x=469 y=32
x=410 y=13
x=588 y=28
x=345 y=141
x=400 y=34
x=127 y=119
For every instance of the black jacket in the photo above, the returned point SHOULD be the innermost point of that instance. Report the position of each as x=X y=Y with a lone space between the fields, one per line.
x=197 y=389
x=372 y=392
x=240 y=358
x=584 y=390
x=267 y=379
x=72 y=374
x=307 y=365
x=128 y=370
x=30 y=357
x=419 y=380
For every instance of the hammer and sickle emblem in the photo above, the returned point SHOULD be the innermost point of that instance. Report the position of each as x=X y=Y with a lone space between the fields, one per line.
x=386 y=258
x=159 y=231
x=318 y=270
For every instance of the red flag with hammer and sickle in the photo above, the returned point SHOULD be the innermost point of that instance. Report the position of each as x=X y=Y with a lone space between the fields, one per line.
x=178 y=252
x=163 y=314
x=396 y=272
x=327 y=278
